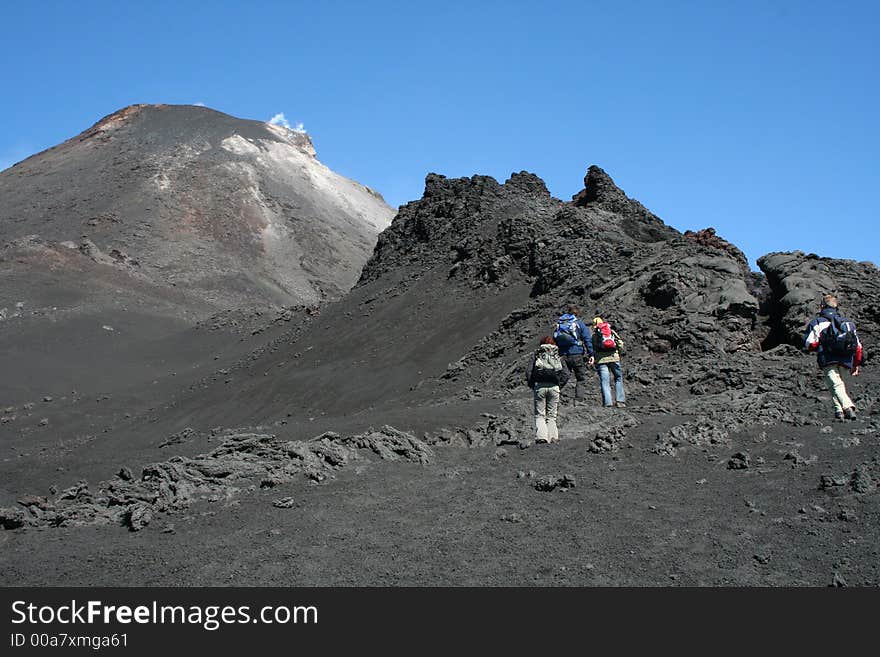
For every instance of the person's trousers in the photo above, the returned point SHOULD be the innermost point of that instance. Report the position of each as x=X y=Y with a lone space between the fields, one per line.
x=605 y=381
x=546 y=407
x=575 y=363
x=834 y=381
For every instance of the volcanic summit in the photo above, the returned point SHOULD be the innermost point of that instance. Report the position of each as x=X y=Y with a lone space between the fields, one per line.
x=156 y=218
x=228 y=212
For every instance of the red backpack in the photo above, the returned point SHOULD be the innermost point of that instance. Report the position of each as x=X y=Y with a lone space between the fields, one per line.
x=606 y=337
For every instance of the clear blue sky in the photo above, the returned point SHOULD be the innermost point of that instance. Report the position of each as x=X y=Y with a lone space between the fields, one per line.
x=759 y=118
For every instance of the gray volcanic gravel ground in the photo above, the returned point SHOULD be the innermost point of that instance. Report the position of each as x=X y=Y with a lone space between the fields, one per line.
x=474 y=516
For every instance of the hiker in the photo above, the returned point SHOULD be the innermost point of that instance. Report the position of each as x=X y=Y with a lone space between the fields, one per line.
x=837 y=347
x=573 y=339
x=545 y=375
x=608 y=347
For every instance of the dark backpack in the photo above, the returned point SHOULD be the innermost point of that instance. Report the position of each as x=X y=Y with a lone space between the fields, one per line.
x=839 y=339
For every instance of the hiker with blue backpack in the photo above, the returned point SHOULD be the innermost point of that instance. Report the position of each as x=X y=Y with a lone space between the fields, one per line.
x=545 y=375
x=573 y=339
x=838 y=349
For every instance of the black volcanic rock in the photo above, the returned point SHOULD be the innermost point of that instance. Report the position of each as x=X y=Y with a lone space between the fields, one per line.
x=635 y=219
x=679 y=294
x=708 y=237
x=798 y=282
x=480 y=230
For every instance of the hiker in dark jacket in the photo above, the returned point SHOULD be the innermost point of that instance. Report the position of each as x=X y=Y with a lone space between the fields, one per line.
x=545 y=375
x=608 y=364
x=573 y=339
x=833 y=358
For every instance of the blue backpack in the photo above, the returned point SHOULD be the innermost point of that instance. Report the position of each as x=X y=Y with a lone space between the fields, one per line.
x=567 y=333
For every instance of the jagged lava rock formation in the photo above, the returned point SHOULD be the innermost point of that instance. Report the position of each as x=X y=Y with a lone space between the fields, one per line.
x=799 y=280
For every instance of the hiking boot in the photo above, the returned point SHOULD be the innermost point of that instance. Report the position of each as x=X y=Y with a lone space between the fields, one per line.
x=850 y=413
x=838 y=415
